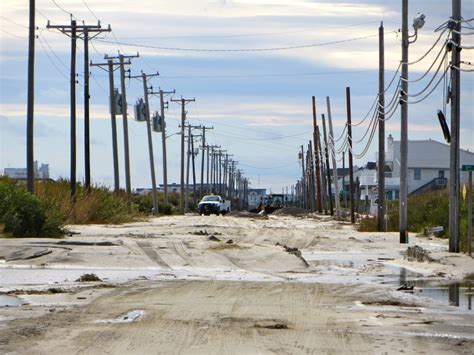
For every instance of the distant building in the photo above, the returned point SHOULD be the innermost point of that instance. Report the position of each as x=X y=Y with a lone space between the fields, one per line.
x=255 y=196
x=41 y=173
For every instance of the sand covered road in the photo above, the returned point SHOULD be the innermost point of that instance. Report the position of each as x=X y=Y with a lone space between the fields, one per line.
x=214 y=285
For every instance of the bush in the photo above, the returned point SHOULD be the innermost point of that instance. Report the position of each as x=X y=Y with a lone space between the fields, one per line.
x=425 y=210
x=25 y=215
x=95 y=205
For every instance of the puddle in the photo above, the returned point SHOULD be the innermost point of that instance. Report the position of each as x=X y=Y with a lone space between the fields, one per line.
x=458 y=294
x=130 y=317
x=10 y=301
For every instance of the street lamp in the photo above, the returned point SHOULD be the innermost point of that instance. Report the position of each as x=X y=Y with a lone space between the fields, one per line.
x=418 y=23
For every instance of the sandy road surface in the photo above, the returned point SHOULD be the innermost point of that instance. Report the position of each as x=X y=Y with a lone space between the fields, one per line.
x=196 y=295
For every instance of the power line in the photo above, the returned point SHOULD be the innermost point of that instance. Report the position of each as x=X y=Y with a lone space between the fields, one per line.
x=12 y=34
x=88 y=8
x=240 y=49
x=13 y=22
x=245 y=34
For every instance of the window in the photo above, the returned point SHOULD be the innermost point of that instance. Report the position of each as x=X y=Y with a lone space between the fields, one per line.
x=417 y=174
x=441 y=174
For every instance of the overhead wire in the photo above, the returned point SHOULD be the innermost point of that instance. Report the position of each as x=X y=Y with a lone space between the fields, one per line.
x=240 y=49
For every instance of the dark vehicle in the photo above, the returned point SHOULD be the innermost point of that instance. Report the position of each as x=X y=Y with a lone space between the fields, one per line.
x=271 y=203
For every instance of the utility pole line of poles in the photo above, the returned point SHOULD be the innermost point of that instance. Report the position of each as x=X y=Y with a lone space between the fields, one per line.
x=381 y=118
x=316 y=155
x=334 y=162
x=74 y=31
x=351 y=163
x=110 y=65
x=203 y=147
x=183 y=102
x=30 y=109
x=162 y=94
x=404 y=128
x=454 y=178
x=328 y=168
x=122 y=63
x=144 y=77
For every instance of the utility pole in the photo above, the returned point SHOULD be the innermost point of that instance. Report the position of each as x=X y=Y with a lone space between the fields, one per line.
x=144 y=77
x=162 y=94
x=186 y=196
x=310 y=168
x=328 y=168
x=404 y=128
x=190 y=152
x=454 y=180
x=183 y=102
x=324 y=188
x=194 y=168
x=318 y=169
x=30 y=110
x=110 y=69
x=334 y=163
x=351 y=166
x=74 y=31
x=122 y=63
x=303 y=178
x=381 y=118
x=203 y=146
x=207 y=172
x=96 y=30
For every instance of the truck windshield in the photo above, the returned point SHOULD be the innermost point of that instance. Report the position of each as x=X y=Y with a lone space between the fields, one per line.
x=211 y=198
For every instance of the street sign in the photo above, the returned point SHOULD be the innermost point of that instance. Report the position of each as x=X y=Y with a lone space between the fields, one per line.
x=467 y=168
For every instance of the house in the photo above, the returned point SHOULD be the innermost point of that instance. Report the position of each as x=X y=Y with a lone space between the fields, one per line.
x=428 y=169
x=428 y=162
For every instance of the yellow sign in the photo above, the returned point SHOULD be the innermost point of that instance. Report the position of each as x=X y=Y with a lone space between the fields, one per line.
x=464 y=192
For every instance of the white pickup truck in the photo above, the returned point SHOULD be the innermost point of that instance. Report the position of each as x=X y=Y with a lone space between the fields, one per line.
x=213 y=204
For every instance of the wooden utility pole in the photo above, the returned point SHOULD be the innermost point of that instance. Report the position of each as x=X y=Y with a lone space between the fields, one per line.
x=316 y=155
x=404 y=128
x=328 y=168
x=334 y=163
x=74 y=31
x=303 y=179
x=30 y=109
x=381 y=118
x=351 y=166
x=203 y=147
x=183 y=102
x=163 y=142
x=86 y=32
x=311 y=185
x=324 y=189
x=186 y=196
x=454 y=179
x=122 y=63
x=73 y=110
x=144 y=77
x=110 y=69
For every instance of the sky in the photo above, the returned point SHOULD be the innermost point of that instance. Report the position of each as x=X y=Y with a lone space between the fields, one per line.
x=258 y=101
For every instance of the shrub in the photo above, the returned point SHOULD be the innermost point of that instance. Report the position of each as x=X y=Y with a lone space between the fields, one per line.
x=95 y=205
x=426 y=210
x=25 y=215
